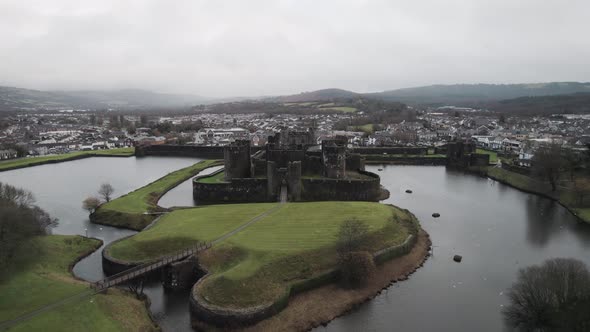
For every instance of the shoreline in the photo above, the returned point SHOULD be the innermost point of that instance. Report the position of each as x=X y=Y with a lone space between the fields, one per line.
x=145 y=300
x=57 y=161
x=541 y=194
x=321 y=305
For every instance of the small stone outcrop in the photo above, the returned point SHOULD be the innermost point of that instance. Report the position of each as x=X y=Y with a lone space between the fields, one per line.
x=458 y=258
x=436 y=215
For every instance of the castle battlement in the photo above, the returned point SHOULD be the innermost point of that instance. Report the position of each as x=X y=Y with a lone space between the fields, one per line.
x=293 y=161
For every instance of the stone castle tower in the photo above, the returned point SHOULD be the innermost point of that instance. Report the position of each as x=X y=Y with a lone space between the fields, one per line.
x=237 y=160
x=334 y=158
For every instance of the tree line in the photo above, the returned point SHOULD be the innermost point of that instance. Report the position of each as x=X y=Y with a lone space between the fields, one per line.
x=20 y=219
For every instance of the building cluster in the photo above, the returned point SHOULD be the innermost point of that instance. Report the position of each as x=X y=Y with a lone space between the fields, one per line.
x=60 y=132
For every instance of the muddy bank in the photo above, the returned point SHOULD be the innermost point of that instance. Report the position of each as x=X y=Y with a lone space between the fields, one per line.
x=321 y=305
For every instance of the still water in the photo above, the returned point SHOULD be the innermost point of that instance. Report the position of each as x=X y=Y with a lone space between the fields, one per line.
x=495 y=228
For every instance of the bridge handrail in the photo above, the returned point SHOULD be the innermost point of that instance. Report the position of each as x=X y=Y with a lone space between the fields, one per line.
x=150 y=266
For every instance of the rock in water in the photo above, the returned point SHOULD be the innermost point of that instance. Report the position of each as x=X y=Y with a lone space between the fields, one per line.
x=458 y=258
x=436 y=215
x=408 y=191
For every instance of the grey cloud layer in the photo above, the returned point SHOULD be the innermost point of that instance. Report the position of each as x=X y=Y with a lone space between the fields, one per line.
x=225 y=48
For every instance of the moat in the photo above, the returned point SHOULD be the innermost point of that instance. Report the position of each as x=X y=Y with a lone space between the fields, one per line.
x=497 y=229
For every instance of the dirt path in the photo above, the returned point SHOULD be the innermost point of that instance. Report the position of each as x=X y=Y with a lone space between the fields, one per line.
x=253 y=220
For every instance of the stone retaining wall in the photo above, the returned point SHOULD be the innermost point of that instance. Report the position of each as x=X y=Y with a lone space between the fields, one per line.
x=391 y=150
x=341 y=189
x=395 y=160
x=250 y=190
x=183 y=150
x=243 y=190
x=111 y=265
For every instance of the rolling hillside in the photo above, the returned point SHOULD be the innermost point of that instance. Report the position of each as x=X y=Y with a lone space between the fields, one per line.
x=22 y=99
x=475 y=94
x=319 y=95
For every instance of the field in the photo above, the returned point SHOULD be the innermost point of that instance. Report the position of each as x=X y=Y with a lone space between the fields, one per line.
x=367 y=128
x=129 y=210
x=41 y=276
x=344 y=109
x=34 y=161
x=293 y=243
x=323 y=106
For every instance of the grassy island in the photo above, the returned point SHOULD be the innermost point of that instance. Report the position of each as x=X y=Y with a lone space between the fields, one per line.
x=131 y=210
x=58 y=158
x=41 y=276
x=291 y=245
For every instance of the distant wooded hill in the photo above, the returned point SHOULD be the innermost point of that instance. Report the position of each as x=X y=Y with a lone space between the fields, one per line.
x=474 y=94
x=21 y=99
x=572 y=103
x=569 y=96
x=538 y=98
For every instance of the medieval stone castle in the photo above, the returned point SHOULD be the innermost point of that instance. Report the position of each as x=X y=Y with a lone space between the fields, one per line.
x=292 y=163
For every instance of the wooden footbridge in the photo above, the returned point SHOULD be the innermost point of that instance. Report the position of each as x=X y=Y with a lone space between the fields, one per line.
x=146 y=268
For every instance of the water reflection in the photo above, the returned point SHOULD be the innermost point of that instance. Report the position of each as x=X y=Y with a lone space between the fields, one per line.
x=497 y=229
x=182 y=195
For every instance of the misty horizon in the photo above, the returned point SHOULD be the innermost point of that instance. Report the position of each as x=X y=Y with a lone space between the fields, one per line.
x=268 y=48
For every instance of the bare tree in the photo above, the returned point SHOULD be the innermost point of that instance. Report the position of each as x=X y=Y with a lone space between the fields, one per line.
x=136 y=286
x=548 y=163
x=91 y=203
x=350 y=235
x=571 y=161
x=554 y=296
x=20 y=219
x=356 y=266
x=106 y=190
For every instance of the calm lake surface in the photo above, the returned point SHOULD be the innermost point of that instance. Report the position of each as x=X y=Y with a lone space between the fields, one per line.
x=495 y=228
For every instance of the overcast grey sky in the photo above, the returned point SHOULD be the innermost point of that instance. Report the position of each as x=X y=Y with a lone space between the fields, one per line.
x=249 y=47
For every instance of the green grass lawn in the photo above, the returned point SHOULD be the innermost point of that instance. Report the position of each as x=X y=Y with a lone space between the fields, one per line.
x=367 y=128
x=215 y=178
x=128 y=210
x=40 y=275
x=254 y=266
x=493 y=155
x=33 y=161
x=584 y=213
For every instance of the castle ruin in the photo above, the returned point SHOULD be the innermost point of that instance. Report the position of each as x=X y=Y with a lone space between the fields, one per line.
x=291 y=160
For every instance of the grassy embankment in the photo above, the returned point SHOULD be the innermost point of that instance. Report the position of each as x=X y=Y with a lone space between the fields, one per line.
x=58 y=158
x=430 y=156
x=130 y=210
x=215 y=178
x=493 y=155
x=564 y=194
x=260 y=263
x=40 y=275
